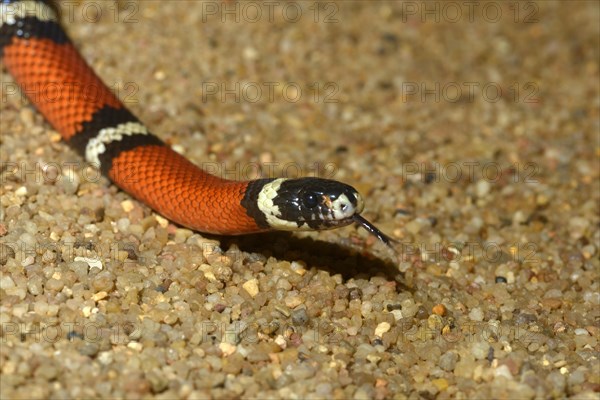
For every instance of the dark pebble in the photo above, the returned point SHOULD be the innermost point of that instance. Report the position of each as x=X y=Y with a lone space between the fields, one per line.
x=300 y=317
x=6 y=252
x=490 y=355
x=429 y=178
x=401 y=211
x=220 y=307
x=422 y=313
x=89 y=349
x=72 y=335
x=524 y=318
x=355 y=294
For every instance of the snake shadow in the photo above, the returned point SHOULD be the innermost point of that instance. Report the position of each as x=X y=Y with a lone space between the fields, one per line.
x=334 y=258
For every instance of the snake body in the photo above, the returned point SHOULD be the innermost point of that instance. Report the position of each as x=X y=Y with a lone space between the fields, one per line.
x=38 y=54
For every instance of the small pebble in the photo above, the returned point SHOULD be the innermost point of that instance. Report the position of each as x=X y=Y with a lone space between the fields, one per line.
x=503 y=371
x=479 y=350
x=448 y=361
x=6 y=282
x=439 y=309
x=91 y=262
x=382 y=328
x=298 y=267
x=397 y=314
x=251 y=286
x=55 y=285
x=89 y=349
x=127 y=206
x=27 y=261
x=227 y=349
x=21 y=191
x=409 y=308
x=588 y=251
x=483 y=188
x=99 y=296
x=476 y=314
x=6 y=252
x=299 y=317
x=441 y=384
x=293 y=301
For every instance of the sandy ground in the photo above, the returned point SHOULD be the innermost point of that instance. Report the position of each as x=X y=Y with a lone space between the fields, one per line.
x=471 y=130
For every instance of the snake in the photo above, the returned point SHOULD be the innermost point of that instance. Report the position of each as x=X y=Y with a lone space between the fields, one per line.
x=39 y=55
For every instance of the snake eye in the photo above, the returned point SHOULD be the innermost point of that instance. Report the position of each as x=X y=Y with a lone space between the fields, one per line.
x=310 y=200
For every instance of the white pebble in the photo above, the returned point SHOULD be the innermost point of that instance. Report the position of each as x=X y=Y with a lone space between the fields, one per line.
x=27 y=116
x=6 y=282
x=476 y=314
x=365 y=308
x=22 y=191
x=99 y=296
x=70 y=181
x=123 y=224
x=135 y=346
x=397 y=314
x=280 y=341
x=293 y=301
x=29 y=260
x=409 y=308
x=483 y=188
x=298 y=267
x=227 y=349
x=503 y=370
x=382 y=328
x=105 y=357
x=480 y=350
x=251 y=287
x=40 y=307
x=162 y=222
x=250 y=53
x=127 y=205
x=91 y=262
x=243 y=350
x=20 y=309
x=213 y=298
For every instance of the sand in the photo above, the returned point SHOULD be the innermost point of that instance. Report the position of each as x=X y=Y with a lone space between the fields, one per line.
x=472 y=131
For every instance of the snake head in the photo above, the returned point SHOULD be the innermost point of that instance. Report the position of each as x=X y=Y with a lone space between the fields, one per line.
x=313 y=204
x=309 y=203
